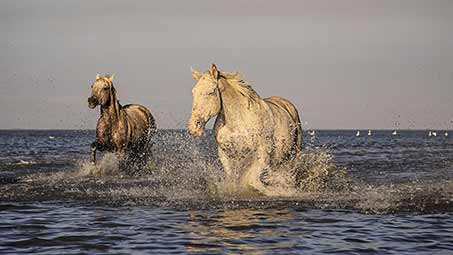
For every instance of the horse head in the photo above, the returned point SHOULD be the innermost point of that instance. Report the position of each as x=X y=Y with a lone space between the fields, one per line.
x=206 y=100
x=102 y=91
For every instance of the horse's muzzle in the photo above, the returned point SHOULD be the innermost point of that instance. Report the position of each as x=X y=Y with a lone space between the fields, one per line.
x=197 y=132
x=196 y=128
x=92 y=102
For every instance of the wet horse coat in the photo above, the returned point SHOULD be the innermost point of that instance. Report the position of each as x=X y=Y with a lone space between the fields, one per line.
x=122 y=129
x=252 y=133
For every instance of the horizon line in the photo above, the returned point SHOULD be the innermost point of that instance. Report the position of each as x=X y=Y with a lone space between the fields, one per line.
x=208 y=129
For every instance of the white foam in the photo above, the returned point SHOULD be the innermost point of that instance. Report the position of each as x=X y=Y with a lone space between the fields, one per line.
x=108 y=165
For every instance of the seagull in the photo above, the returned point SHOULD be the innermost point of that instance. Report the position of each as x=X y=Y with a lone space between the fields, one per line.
x=430 y=134
x=434 y=133
x=394 y=132
x=312 y=132
x=446 y=133
x=358 y=133
x=369 y=132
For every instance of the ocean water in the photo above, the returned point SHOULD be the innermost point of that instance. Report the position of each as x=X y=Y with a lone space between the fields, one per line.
x=394 y=196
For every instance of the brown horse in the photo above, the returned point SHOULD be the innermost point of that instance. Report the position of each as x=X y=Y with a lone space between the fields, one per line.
x=122 y=129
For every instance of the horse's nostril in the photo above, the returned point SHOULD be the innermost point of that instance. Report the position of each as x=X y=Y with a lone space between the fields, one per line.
x=92 y=101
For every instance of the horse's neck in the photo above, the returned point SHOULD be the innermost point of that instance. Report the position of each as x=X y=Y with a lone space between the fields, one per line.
x=111 y=112
x=236 y=108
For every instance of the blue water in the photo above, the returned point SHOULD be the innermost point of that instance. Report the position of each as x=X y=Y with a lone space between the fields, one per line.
x=402 y=207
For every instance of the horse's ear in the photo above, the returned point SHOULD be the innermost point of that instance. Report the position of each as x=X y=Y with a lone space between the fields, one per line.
x=110 y=78
x=196 y=75
x=214 y=72
x=98 y=76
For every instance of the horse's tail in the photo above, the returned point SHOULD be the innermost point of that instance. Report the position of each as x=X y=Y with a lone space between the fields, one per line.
x=298 y=129
x=151 y=131
x=298 y=126
x=291 y=109
x=152 y=126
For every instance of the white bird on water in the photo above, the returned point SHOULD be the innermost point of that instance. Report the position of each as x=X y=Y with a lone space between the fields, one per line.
x=432 y=133
x=446 y=133
x=394 y=132
x=358 y=133
x=312 y=132
x=369 y=132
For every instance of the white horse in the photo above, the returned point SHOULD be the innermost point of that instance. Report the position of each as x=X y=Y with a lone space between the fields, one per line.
x=252 y=133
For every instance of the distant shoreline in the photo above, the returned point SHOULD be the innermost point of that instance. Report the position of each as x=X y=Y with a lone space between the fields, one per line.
x=181 y=129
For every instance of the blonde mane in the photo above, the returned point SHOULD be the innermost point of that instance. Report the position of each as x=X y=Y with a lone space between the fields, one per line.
x=240 y=85
x=114 y=97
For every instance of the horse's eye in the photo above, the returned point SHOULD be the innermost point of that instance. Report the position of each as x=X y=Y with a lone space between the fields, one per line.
x=212 y=92
x=105 y=88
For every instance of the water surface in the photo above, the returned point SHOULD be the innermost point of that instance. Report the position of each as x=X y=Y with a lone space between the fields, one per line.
x=400 y=204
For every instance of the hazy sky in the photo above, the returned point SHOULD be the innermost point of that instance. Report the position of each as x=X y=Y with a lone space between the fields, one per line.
x=344 y=64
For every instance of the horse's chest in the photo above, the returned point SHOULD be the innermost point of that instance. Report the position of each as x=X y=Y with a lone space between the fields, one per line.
x=103 y=132
x=234 y=144
x=110 y=136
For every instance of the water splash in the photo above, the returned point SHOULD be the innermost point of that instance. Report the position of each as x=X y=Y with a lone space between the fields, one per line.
x=108 y=165
x=185 y=173
x=311 y=170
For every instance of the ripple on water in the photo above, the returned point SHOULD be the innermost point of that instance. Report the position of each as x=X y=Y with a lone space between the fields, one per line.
x=76 y=227
x=174 y=208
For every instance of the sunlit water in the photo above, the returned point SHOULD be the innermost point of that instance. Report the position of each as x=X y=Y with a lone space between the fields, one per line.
x=400 y=199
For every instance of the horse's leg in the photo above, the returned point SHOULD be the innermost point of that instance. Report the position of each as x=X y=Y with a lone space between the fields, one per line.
x=138 y=156
x=231 y=180
x=124 y=160
x=252 y=175
x=93 y=152
x=122 y=154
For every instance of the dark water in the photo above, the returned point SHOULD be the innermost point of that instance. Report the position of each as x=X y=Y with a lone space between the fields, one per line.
x=402 y=203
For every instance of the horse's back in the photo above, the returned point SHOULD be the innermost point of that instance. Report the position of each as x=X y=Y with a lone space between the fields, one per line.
x=288 y=107
x=140 y=119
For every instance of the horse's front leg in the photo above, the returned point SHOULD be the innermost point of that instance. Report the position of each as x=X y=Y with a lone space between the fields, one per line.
x=94 y=146
x=229 y=166
x=122 y=154
x=122 y=158
x=252 y=175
